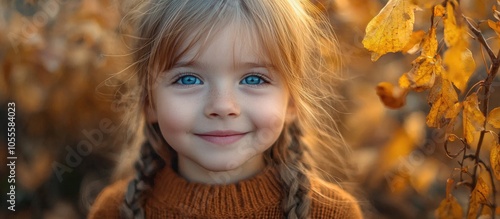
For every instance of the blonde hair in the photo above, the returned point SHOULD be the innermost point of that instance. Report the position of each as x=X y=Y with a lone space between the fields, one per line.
x=300 y=44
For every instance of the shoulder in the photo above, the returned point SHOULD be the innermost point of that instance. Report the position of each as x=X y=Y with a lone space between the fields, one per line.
x=108 y=202
x=331 y=201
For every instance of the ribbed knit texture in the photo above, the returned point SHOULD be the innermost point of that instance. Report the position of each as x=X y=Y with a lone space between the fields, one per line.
x=259 y=197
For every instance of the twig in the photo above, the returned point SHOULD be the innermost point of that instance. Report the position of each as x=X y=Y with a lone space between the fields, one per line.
x=480 y=37
x=495 y=64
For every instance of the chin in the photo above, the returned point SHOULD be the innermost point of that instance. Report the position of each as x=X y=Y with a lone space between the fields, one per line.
x=221 y=166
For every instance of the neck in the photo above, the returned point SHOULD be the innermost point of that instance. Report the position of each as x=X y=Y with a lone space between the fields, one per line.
x=196 y=173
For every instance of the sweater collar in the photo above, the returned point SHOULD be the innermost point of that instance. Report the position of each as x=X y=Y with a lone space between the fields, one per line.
x=175 y=192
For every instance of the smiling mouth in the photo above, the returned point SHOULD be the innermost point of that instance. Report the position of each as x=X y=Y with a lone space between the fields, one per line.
x=221 y=138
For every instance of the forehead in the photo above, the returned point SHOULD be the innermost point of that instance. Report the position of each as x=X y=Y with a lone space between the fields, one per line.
x=236 y=43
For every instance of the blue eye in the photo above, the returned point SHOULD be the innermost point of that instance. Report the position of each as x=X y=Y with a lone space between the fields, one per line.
x=188 y=80
x=253 y=80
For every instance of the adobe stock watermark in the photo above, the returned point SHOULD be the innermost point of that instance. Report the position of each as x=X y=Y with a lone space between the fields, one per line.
x=74 y=156
x=29 y=29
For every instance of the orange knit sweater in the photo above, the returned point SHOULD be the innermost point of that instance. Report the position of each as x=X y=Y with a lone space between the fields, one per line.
x=259 y=197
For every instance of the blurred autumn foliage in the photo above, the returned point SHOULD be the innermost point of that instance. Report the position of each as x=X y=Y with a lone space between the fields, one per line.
x=392 y=31
x=56 y=57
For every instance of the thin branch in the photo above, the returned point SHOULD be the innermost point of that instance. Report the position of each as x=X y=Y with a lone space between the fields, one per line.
x=481 y=39
x=495 y=65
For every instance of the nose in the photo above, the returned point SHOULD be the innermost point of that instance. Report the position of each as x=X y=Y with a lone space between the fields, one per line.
x=222 y=103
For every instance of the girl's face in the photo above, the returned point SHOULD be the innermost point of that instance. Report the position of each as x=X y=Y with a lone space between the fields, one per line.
x=222 y=109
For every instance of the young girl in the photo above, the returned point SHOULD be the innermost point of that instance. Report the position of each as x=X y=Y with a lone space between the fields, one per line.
x=236 y=108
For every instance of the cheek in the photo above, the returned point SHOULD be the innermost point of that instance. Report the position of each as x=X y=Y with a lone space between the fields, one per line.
x=174 y=115
x=269 y=116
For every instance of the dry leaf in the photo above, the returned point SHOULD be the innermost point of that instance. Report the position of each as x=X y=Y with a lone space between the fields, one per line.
x=439 y=11
x=430 y=44
x=473 y=117
x=495 y=160
x=423 y=74
x=414 y=44
x=392 y=97
x=458 y=58
x=453 y=34
x=441 y=98
x=449 y=209
x=485 y=213
x=479 y=196
x=460 y=64
x=494 y=26
x=452 y=116
x=404 y=82
x=425 y=67
x=494 y=118
x=391 y=29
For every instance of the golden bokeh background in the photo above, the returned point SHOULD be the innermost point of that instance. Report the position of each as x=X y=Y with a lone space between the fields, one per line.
x=57 y=58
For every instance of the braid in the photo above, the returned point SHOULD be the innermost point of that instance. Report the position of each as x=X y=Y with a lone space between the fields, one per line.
x=146 y=167
x=297 y=201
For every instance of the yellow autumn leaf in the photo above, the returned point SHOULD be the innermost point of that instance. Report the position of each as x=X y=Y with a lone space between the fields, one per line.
x=479 y=196
x=423 y=73
x=391 y=29
x=473 y=117
x=414 y=44
x=441 y=98
x=439 y=11
x=449 y=209
x=485 y=213
x=392 y=97
x=495 y=160
x=494 y=26
x=404 y=82
x=454 y=34
x=454 y=111
x=452 y=116
x=494 y=118
x=430 y=44
x=460 y=65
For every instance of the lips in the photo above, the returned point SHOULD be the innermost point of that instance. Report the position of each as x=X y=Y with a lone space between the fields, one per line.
x=221 y=137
